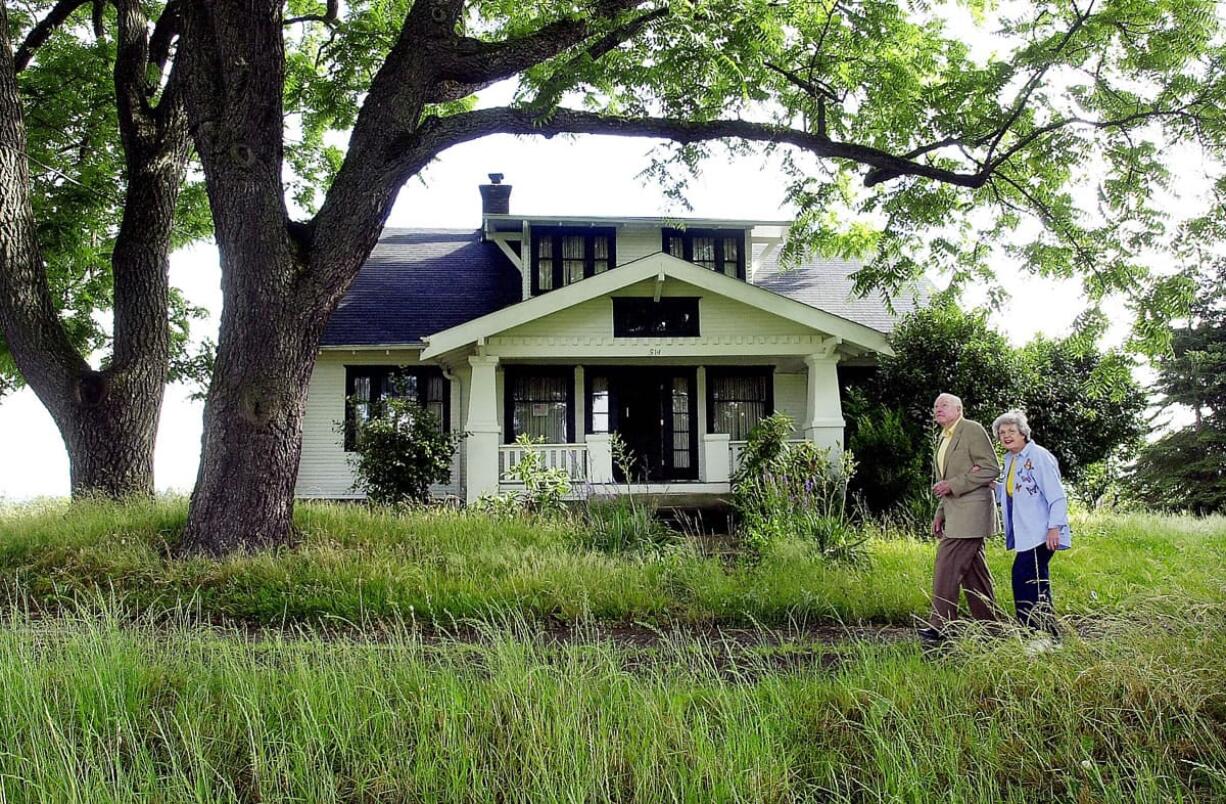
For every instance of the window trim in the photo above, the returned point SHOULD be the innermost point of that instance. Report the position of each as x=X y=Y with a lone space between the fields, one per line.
x=688 y=234
x=715 y=372
x=556 y=234
x=624 y=301
x=512 y=373
x=381 y=370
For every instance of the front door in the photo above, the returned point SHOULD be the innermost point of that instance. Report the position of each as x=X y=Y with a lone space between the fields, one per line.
x=653 y=411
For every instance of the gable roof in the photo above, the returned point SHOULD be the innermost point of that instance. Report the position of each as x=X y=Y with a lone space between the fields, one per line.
x=422 y=281
x=658 y=265
x=419 y=281
x=827 y=284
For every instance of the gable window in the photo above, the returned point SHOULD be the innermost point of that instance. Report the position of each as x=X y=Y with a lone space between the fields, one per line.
x=672 y=316
x=565 y=254
x=737 y=399
x=540 y=403
x=719 y=250
x=367 y=386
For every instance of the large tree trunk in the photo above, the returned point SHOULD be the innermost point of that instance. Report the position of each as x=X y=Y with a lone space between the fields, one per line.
x=244 y=491
x=108 y=419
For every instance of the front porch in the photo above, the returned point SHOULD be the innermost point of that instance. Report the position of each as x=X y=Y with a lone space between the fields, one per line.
x=590 y=466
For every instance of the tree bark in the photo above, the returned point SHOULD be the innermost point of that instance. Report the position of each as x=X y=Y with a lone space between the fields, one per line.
x=108 y=419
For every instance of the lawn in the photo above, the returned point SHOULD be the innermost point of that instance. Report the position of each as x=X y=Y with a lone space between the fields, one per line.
x=118 y=684
x=357 y=565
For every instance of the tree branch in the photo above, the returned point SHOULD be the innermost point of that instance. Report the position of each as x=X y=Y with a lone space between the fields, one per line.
x=475 y=64
x=330 y=16
x=437 y=134
x=817 y=89
x=42 y=31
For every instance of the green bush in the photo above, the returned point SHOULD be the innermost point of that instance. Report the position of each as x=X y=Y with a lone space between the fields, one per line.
x=620 y=524
x=794 y=490
x=400 y=452
x=543 y=490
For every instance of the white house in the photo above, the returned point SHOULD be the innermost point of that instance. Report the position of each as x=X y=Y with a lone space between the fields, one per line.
x=680 y=335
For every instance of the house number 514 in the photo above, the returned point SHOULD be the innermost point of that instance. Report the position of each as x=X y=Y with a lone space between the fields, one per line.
x=655 y=352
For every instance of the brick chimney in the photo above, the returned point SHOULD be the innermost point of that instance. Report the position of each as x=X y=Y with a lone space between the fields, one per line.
x=495 y=196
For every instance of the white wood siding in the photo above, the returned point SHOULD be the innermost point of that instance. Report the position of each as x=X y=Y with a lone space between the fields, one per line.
x=324 y=470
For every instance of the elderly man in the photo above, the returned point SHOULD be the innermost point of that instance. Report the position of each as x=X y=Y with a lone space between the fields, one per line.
x=964 y=467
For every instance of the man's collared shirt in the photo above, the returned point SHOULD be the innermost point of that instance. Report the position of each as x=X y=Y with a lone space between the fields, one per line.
x=947 y=435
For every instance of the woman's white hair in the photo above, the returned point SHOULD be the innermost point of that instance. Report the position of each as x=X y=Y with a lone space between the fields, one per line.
x=1014 y=417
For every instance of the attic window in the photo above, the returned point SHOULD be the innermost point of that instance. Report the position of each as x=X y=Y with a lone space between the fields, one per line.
x=565 y=254
x=673 y=316
x=719 y=250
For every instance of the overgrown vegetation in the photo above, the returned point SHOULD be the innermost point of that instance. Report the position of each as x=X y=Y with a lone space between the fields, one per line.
x=541 y=489
x=356 y=565
x=794 y=490
x=1083 y=404
x=170 y=713
x=400 y=451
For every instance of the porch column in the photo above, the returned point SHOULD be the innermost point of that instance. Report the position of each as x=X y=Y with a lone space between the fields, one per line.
x=580 y=384
x=484 y=435
x=823 y=410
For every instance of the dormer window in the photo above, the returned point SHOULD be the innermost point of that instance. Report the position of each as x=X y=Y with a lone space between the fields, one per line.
x=719 y=250
x=565 y=254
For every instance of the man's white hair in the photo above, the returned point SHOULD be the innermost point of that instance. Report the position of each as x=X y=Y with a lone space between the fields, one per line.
x=956 y=400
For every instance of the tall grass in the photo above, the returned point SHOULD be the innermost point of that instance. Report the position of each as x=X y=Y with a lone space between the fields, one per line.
x=94 y=711
x=357 y=565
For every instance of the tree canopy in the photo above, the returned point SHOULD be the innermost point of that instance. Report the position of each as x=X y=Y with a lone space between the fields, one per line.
x=1185 y=469
x=921 y=137
x=77 y=176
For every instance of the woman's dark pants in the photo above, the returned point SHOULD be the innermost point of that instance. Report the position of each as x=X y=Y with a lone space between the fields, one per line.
x=1032 y=589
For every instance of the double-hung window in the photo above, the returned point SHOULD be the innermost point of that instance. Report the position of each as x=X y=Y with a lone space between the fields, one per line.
x=737 y=399
x=540 y=403
x=719 y=250
x=367 y=386
x=565 y=254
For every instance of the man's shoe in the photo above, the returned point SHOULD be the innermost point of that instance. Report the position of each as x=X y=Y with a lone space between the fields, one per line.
x=930 y=636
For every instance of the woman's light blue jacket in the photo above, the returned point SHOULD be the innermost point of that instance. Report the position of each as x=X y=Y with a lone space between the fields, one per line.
x=1039 y=502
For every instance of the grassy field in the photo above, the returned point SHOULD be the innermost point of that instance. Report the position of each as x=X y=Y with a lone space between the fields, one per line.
x=91 y=710
x=358 y=566
x=115 y=687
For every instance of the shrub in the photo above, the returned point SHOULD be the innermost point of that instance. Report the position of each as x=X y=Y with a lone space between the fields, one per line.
x=401 y=452
x=620 y=524
x=543 y=489
x=794 y=490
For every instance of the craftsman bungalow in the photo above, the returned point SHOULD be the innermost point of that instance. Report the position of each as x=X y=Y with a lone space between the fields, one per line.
x=680 y=335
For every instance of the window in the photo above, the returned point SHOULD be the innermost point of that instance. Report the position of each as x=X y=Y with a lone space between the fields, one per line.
x=565 y=254
x=540 y=403
x=720 y=250
x=674 y=316
x=598 y=409
x=365 y=386
x=737 y=399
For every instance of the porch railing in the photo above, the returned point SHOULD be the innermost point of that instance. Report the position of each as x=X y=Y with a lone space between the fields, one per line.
x=736 y=447
x=570 y=457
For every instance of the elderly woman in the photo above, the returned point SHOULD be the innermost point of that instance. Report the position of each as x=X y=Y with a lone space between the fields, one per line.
x=1035 y=512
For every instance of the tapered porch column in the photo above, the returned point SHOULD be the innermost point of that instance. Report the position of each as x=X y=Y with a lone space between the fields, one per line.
x=484 y=435
x=823 y=410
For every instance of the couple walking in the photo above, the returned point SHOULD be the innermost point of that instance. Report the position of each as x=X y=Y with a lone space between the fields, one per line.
x=1035 y=513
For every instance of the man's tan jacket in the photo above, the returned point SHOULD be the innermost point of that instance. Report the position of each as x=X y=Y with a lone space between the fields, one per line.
x=970 y=512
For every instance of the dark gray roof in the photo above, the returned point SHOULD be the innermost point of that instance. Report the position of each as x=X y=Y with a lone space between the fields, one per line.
x=827 y=284
x=420 y=281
